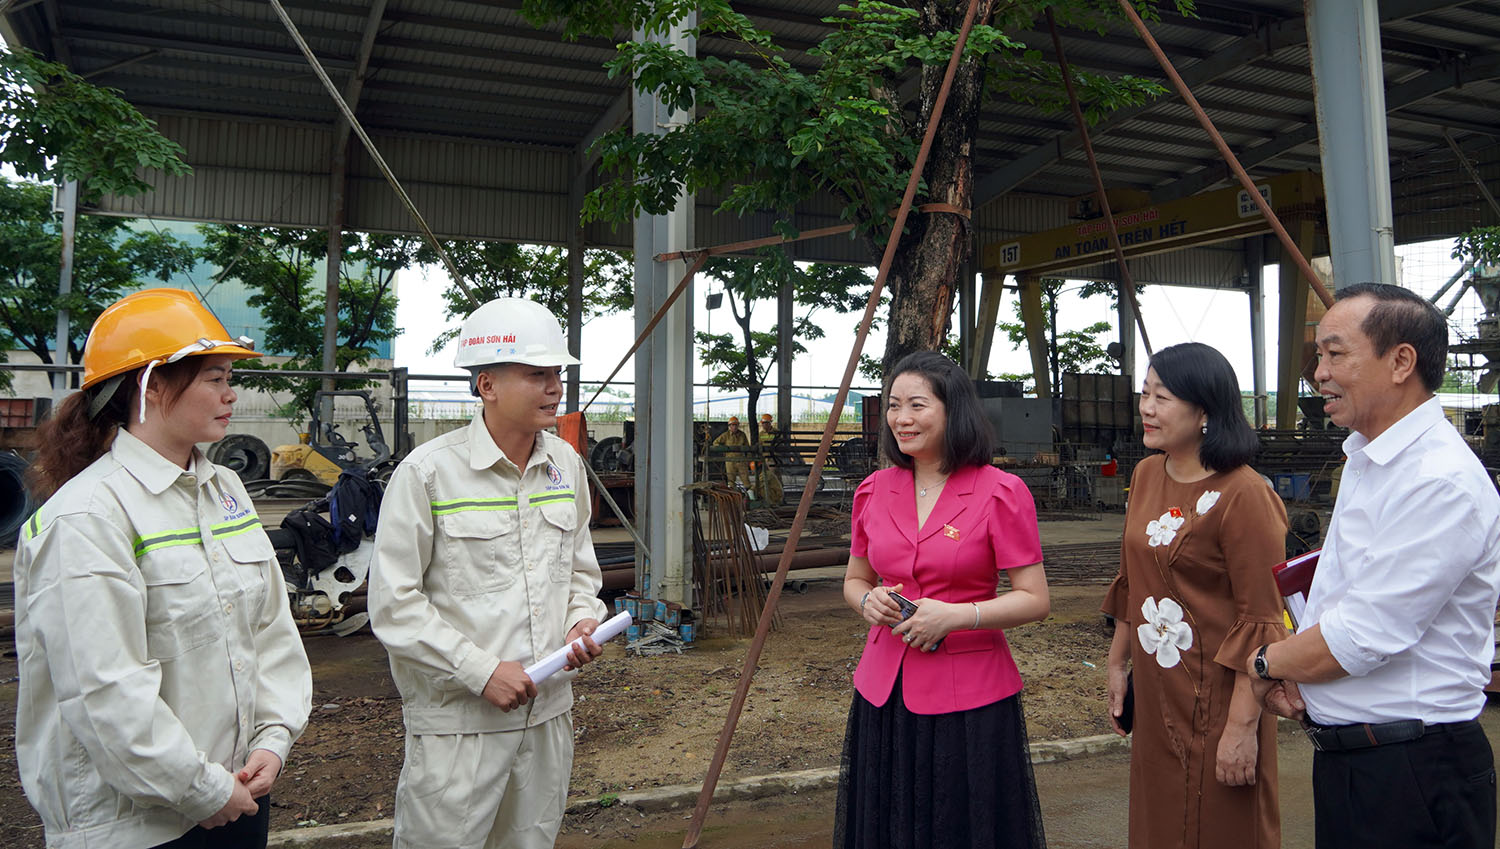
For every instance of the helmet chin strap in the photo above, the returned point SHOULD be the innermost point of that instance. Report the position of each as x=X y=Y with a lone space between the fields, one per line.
x=145 y=379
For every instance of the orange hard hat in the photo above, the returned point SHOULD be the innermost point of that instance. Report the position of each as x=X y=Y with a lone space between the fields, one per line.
x=155 y=326
x=734 y=420
x=765 y=417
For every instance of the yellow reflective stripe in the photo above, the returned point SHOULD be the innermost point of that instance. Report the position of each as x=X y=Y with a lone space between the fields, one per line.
x=223 y=530
x=549 y=497
x=32 y=526
x=167 y=539
x=461 y=505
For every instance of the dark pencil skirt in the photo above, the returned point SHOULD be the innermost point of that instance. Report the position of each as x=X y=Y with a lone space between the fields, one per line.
x=951 y=780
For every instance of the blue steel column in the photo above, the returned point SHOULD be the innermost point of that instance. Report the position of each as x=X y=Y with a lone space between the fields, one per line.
x=68 y=196
x=1344 y=39
x=664 y=369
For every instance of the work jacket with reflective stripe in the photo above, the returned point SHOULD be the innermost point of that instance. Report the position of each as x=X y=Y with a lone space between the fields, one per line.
x=478 y=561
x=156 y=646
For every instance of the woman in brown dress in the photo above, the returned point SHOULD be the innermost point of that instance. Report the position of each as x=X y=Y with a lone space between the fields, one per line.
x=1193 y=598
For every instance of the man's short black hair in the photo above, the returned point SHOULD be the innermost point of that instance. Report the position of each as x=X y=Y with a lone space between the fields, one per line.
x=1199 y=375
x=968 y=438
x=1402 y=316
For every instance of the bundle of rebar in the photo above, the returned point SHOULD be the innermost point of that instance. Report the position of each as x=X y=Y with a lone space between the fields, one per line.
x=726 y=571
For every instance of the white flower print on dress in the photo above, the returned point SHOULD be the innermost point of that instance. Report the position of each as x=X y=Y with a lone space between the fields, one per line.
x=1164 y=634
x=1161 y=531
x=1206 y=502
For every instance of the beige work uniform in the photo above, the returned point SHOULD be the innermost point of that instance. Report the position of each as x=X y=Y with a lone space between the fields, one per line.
x=736 y=465
x=477 y=562
x=156 y=646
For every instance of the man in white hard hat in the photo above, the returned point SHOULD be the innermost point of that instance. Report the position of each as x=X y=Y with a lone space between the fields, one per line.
x=483 y=565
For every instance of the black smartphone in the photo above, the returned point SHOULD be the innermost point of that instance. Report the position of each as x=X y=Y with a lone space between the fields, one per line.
x=908 y=607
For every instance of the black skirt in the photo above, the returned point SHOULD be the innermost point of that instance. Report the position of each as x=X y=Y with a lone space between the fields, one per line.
x=951 y=780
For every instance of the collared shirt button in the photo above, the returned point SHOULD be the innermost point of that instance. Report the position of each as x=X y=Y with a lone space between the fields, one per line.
x=229 y=608
x=239 y=666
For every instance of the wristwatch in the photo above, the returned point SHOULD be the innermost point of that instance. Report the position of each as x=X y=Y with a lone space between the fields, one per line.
x=1263 y=666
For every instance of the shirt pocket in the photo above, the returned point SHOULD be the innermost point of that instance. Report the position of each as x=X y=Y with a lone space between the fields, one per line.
x=182 y=606
x=478 y=548
x=252 y=554
x=559 y=525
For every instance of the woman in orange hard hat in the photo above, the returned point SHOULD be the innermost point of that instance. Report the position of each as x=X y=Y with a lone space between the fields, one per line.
x=162 y=679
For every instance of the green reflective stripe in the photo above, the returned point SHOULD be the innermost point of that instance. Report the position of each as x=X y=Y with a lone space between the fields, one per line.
x=235 y=528
x=549 y=497
x=461 y=505
x=167 y=539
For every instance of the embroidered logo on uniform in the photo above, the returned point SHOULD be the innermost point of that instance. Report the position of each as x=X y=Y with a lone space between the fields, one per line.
x=553 y=474
x=228 y=501
x=950 y=532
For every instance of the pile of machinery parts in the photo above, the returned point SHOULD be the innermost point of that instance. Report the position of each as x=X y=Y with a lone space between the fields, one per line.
x=657 y=639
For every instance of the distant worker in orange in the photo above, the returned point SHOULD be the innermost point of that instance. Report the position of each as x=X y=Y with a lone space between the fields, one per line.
x=736 y=463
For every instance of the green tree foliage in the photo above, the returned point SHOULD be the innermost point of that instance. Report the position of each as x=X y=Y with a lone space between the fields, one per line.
x=55 y=126
x=746 y=360
x=281 y=267
x=770 y=132
x=1482 y=245
x=111 y=255
x=508 y=270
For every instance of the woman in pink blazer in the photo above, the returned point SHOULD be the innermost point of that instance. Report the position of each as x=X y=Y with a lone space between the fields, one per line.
x=935 y=752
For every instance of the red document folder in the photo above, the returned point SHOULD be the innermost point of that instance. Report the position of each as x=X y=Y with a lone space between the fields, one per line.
x=1293 y=580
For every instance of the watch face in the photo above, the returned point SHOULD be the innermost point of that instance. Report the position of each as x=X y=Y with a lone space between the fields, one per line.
x=1262 y=668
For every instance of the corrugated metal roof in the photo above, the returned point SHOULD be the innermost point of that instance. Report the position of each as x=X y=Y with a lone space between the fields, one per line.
x=481 y=111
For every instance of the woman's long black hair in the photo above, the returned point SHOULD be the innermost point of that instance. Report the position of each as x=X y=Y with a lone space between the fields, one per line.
x=1200 y=375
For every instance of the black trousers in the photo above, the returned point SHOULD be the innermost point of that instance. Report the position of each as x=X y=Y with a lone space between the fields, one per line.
x=1436 y=791
x=243 y=833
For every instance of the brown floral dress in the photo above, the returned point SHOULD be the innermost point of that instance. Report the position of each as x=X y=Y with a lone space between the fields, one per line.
x=1201 y=553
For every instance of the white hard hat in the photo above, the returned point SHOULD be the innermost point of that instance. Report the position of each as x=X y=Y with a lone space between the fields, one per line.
x=512 y=330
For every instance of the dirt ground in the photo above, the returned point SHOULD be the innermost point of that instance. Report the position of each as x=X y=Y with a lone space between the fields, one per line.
x=640 y=722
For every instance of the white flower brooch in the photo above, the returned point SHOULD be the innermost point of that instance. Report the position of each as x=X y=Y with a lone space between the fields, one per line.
x=1161 y=531
x=1206 y=502
x=1164 y=634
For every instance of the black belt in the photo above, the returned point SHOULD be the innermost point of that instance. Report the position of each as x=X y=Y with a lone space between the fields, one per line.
x=1344 y=738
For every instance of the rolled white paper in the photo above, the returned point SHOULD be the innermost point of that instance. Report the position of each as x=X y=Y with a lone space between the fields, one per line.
x=549 y=665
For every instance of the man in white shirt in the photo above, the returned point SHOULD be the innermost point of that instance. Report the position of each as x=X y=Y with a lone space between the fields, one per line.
x=484 y=565
x=1396 y=643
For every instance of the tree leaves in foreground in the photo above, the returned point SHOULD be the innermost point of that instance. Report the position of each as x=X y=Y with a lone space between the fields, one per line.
x=56 y=126
x=771 y=131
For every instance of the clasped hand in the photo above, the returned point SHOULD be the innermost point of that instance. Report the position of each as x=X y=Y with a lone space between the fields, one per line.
x=924 y=629
x=250 y=783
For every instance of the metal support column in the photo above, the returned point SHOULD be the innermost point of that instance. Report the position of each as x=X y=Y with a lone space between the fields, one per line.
x=664 y=367
x=992 y=291
x=1255 y=285
x=575 y=283
x=1035 y=323
x=785 y=341
x=1126 y=308
x=337 y=180
x=966 y=313
x=1344 y=40
x=1292 y=355
x=68 y=195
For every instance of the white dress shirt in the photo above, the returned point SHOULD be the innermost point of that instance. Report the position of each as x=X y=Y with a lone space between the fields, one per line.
x=156 y=647
x=477 y=562
x=1406 y=587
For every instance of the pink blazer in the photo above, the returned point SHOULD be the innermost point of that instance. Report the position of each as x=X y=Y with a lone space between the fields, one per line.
x=984 y=521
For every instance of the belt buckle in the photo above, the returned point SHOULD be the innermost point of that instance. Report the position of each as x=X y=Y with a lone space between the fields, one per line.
x=1314 y=735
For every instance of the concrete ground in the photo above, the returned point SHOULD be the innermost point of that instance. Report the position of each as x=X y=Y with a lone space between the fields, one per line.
x=1085 y=805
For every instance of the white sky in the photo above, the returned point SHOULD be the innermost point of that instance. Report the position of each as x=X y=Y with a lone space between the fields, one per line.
x=1172 y=314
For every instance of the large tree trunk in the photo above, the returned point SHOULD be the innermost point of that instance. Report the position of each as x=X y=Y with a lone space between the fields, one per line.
x=936 y=244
